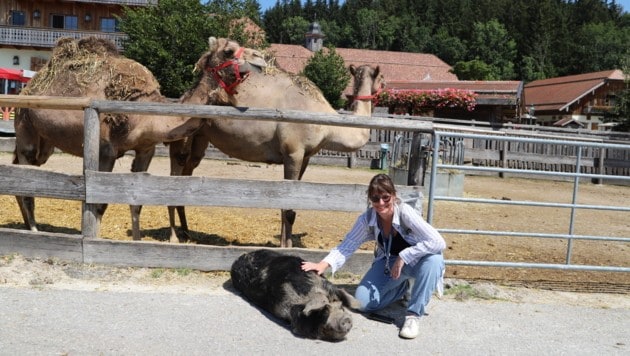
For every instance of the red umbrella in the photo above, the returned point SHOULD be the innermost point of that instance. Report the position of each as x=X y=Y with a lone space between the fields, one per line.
x=13 y=74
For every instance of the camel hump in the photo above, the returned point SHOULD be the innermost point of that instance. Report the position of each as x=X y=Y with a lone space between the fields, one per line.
x=90 y=62
x=68 y=47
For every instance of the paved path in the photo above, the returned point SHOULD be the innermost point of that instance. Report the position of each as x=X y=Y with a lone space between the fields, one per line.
x=41 y=321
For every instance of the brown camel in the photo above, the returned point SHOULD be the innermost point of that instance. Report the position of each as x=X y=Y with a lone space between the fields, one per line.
x=284 y=143
x=92 y=67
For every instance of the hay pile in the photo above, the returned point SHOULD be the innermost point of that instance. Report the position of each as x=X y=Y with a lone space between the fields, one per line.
x=91 y=67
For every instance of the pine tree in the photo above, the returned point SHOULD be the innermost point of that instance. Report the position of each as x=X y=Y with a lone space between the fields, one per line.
x=327 y=70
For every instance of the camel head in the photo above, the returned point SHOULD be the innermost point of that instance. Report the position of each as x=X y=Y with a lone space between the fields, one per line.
x=229 y=63
x=368 y=83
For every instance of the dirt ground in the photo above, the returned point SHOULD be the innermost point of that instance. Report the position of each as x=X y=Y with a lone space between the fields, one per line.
x=323 y=230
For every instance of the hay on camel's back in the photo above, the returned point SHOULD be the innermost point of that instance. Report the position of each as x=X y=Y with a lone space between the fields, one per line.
x=76 y=65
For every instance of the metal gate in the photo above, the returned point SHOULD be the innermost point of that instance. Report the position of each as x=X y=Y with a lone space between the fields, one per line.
x=450 y=141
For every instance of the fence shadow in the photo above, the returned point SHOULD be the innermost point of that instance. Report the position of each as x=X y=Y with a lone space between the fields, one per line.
x=43 y=228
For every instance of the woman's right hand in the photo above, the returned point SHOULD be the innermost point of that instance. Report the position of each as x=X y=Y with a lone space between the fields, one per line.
x=317 y=267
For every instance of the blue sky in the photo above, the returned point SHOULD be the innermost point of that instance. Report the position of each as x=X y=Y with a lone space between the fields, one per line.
x=265 y=4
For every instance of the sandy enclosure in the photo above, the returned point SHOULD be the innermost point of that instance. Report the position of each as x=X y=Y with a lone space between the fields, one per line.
x=323 y=230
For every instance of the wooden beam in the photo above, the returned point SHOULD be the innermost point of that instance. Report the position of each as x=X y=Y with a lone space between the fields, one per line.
x=45 y=102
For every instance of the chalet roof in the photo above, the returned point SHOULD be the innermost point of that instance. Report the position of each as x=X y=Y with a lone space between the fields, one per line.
x=568 y=121
x=395 y=66
x=557 y=94
x=506 y=92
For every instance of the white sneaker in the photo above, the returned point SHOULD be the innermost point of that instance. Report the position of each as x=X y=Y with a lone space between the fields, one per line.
x=411 y=327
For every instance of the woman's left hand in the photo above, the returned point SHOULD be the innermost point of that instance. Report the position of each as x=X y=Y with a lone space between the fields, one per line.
x=397 y=268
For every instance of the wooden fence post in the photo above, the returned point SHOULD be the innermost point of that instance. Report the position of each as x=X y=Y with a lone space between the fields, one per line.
x=90 y=225
x=502 y=157
x=415 y=174
x=600 y=165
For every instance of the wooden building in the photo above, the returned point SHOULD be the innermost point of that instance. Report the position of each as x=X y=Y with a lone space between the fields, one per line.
x=29 y=29
x=577 y=100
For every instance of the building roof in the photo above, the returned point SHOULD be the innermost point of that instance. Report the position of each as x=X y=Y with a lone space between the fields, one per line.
x=557 y=94
x=488 y=92
x=395 y=66
x=568 y=121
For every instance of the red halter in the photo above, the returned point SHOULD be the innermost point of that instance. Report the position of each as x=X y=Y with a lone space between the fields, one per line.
x=230 y=89
x=373 y=97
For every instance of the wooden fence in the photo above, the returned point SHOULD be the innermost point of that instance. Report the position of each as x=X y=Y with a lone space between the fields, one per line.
x=95 y=187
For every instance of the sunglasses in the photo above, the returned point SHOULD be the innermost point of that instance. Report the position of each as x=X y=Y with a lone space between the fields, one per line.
x=376 y=198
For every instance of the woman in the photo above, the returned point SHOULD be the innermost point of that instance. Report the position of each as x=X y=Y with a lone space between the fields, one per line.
x=408 y=249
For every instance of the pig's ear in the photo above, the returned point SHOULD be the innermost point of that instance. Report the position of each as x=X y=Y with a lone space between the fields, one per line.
x=347 y=299
x=317 y=302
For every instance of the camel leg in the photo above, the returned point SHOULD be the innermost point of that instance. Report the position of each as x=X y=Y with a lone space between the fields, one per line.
x=140 y=164
x=286 y=231
x=185 y=156
x=27 y=208
x=106 y=161
x=29 y=150
x=178 y=152
x=294 y=168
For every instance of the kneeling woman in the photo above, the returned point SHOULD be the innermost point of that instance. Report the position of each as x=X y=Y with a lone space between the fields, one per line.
x=409 y=249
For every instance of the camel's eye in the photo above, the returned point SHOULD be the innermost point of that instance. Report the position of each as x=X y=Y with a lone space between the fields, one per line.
x=228 y=53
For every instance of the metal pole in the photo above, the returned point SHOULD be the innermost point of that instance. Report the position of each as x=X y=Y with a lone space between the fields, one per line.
x=576 y=183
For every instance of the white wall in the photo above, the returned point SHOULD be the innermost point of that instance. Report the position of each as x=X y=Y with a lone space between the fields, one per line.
x=7 y=54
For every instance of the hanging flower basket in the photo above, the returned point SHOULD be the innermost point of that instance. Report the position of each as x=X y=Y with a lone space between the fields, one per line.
x=423 y=102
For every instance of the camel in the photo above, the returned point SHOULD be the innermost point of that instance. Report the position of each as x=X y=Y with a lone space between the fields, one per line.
x=92 y=67
x=289 y=144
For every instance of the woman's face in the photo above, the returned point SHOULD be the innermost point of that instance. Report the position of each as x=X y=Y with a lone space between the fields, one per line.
x=382 y=202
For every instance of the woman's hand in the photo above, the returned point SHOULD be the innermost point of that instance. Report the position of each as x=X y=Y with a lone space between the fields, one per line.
x=397 y=268
x=317 y=267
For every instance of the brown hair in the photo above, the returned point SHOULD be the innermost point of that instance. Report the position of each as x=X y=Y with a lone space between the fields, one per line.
x=381 y=183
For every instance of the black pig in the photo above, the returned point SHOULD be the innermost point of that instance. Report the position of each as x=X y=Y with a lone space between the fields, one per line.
x=275 y=282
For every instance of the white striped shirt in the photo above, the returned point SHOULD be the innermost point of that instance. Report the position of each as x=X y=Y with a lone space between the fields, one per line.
x=423 y=238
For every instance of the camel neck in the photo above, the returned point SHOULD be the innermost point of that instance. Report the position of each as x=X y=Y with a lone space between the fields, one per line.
x=363 y=108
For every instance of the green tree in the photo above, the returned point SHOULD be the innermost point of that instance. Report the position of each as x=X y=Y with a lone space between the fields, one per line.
x=600 y=46
x=293 y=30
x=448 y=48
x=622 y=102
x=492 y=45
x=169 y=39
x=473 y=70
x=327 y=70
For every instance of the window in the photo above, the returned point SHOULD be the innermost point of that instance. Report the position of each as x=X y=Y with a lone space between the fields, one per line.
x=57 y=21
x=71 y=23
x=18 y=18
x=68 y=22
x=109 y=24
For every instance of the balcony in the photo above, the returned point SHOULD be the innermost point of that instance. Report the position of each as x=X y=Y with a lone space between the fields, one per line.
x=47 y=37
x=122 y=2
x=597 y=109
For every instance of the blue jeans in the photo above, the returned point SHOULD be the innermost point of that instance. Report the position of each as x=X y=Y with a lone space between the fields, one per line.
x=378 y=290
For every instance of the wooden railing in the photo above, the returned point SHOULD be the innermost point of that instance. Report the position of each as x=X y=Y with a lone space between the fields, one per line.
x=124 y=2
x=94 y=188
x=47 y=37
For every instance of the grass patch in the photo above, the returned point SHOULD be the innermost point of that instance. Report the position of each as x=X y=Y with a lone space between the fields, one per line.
x=157 y=273
x=183 y=272
x=463 y=292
